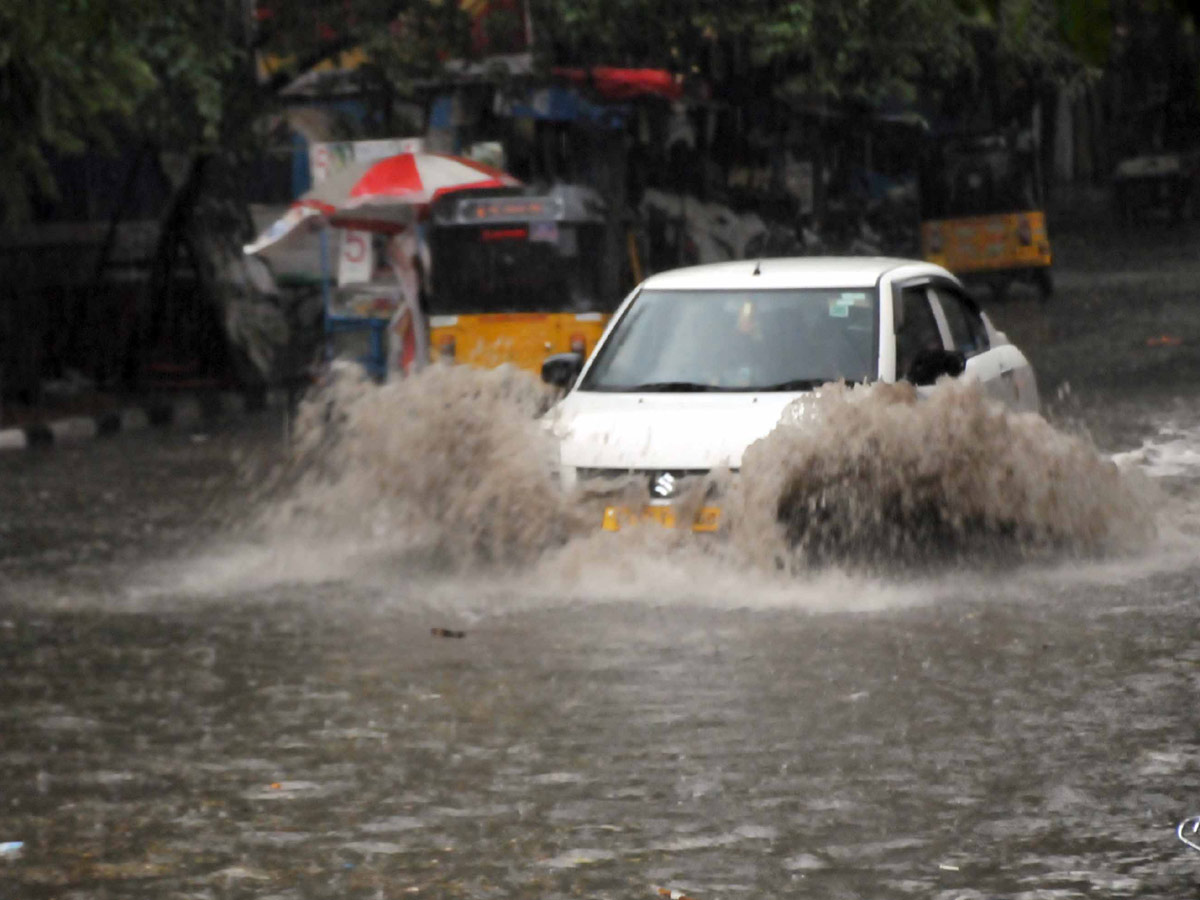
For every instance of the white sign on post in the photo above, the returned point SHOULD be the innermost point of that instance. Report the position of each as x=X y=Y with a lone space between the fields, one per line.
x=356 y=261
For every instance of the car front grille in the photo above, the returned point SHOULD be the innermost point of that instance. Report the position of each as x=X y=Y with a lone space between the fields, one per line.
x=655 y=484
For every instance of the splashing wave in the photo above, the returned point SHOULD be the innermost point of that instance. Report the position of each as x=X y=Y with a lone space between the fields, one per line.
x=876 y=475
x=454 y=464
x=452 y=460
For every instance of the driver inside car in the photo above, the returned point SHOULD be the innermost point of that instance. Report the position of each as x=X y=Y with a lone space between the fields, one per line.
x=917 y=331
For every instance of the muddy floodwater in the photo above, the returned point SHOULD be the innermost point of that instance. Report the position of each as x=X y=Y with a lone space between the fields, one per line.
x=409 y=671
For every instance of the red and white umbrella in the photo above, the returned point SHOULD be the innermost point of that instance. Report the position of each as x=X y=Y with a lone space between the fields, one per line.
x=385 y=193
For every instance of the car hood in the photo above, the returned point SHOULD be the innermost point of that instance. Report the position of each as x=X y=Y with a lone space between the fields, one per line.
x=663 y=430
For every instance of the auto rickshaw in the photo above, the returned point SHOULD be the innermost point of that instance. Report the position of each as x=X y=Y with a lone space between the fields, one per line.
x=1163 y=184
x=500 y=276
x=518 y=275
x=982 y=211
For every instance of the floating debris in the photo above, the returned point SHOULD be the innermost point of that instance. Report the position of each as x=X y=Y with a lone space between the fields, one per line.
x=805 y=862
x=447 y=633
x=238 y=873
x=1189 y=826
x=673 y=894
x=289 y=790
x=11 y=849
x=573 y=859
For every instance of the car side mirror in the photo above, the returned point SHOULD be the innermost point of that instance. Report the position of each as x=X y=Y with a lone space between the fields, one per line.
x=931 y=364
x=562 y=369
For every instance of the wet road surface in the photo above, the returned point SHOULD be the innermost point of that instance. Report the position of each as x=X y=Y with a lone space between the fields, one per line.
x=171 y=729
x=307 y=745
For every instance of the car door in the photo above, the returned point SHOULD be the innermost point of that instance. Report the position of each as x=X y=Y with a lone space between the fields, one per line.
x=999 y=367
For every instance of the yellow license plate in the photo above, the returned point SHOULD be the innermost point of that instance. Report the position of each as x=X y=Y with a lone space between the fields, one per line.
x=708 y=519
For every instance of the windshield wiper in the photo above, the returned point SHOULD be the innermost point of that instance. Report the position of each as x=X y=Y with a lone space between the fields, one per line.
x=796 y=384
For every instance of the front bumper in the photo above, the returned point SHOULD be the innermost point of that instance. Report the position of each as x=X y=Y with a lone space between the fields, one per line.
x=628 y=498
x=706 y=520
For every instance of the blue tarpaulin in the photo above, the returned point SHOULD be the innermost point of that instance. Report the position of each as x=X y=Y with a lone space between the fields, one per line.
x=547 y=104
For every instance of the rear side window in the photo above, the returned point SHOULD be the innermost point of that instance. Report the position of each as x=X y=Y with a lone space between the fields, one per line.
x=966 y=325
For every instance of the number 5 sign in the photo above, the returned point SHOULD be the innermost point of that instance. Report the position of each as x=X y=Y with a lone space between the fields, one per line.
x=356 y=261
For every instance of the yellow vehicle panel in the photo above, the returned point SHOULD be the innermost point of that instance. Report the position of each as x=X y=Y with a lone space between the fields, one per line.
x=523 y=339
x=988 y=243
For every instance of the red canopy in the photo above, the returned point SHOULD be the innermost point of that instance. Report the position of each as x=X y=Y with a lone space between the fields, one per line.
x=625 y=84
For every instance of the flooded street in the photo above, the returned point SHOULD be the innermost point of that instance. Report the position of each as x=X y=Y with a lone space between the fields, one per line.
x=199 y=702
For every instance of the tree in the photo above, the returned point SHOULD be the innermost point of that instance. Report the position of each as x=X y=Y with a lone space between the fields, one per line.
x=76 y=74
x=857 y=51
x=180 y=80
x=854 y=50
x=68 y=72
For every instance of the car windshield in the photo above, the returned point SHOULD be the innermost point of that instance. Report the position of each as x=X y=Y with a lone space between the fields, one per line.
x=782 y=340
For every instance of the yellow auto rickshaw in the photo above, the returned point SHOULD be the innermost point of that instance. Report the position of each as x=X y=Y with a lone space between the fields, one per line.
x=518 y=275
x=982 y=211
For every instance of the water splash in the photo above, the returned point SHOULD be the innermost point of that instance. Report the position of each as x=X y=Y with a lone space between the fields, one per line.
x=451 y=469
x=876 y=476
x=451 y=462
x=1173 y=452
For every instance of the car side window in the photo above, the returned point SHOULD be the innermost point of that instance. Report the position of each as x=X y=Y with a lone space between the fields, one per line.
x=966 y=324
x=918 y=329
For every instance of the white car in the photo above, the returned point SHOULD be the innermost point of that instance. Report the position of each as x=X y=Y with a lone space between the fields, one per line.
x=699 y=363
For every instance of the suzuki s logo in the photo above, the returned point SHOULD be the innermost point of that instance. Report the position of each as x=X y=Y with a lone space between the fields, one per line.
x=663 y=487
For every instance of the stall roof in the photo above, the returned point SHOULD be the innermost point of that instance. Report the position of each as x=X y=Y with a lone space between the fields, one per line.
x=626 y=84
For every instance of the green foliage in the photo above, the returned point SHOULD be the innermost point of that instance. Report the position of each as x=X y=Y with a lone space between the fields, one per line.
x=849 y=50
x=1045 y=38
x=652 y=33
x=199 y=54
x=863 y=50
x=182 y=73
x=67 y=70
x=403 y=40
x=77 y=73
x=1086 y=27
x=415 y=42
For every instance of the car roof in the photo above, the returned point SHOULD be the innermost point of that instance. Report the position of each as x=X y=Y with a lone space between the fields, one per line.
x=793 y=272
